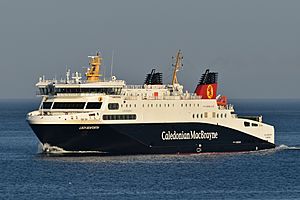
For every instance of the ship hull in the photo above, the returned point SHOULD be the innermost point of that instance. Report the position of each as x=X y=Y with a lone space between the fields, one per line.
x=156 y=138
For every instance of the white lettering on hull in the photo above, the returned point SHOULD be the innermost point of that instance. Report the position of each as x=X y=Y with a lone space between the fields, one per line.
x=192 y=135
x=88 y=127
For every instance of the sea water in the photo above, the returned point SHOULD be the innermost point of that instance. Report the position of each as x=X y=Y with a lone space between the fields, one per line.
x=269 y=174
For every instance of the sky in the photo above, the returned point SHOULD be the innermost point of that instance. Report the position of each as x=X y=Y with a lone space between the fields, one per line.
x=254 y=45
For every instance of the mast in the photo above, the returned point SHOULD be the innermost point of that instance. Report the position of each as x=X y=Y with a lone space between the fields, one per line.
x=177 y=65
x=93 y=73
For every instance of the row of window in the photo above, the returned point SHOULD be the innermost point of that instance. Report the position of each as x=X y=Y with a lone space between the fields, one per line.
x=214 y=115
x=71 y=105
x=158 y=105
x=93 y=105
x=128 y=105
x=189 y=105
x=79 y=105
x=68 y=105
x=171 y=105
x=119 y=117
x=113 y=91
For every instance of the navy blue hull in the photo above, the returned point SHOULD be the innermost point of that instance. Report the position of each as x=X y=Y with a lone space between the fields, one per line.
x=168 y=138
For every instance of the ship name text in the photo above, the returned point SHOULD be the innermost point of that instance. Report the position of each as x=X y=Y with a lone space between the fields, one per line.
x=191 y=135
x=88 y=127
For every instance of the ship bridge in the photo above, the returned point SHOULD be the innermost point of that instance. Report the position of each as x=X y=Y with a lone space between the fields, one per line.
x=54 y=88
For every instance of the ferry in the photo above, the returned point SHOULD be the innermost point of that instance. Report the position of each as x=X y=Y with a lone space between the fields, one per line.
x=114 y=118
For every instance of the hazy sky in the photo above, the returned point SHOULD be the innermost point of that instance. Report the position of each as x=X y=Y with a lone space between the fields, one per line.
x=254 y=44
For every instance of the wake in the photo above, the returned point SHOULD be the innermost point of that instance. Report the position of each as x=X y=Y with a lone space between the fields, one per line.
x=286 y=147
x=54 y=150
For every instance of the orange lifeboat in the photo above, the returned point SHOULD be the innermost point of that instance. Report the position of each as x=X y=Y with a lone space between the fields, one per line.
x=222 y=101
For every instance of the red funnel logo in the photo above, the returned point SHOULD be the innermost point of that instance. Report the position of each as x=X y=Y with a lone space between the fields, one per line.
x=207 y=91
x=210 y=91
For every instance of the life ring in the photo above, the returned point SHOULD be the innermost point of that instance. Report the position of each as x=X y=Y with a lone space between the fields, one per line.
x=100 y=99
x=198 y=150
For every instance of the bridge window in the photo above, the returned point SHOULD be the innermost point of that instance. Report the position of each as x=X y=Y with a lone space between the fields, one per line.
x=114 y=91
x=47 y=105
x=93 y=105
x=68 y=105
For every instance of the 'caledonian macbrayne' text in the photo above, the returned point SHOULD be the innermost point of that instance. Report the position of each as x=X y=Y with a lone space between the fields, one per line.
x=191 y=135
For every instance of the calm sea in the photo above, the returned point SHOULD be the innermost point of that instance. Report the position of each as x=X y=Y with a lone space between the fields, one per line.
x=272 y=174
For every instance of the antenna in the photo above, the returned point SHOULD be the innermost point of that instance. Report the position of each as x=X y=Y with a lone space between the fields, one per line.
x=176 y=66
x=68 y=73
x=112 y=63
